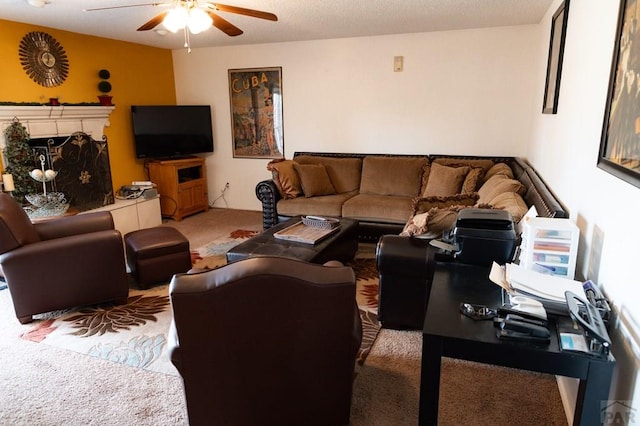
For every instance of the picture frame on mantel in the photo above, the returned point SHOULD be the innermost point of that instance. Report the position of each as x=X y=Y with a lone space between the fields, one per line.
x=620 y=142
x=554 y=61
x=256 y=112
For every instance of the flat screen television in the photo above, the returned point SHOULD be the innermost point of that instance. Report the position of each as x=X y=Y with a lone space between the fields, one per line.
x=171 y=131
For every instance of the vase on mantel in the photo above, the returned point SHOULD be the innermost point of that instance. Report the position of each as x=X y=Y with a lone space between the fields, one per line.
x=105 y=100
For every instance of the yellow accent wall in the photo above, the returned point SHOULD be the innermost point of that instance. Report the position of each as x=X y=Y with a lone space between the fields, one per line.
x=139 y=75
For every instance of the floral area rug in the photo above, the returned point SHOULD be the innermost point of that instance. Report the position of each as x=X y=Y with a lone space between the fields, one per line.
x=135 y=334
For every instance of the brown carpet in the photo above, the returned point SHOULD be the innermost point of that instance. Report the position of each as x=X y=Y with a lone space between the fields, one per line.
x=387 y=389
x=44 y=385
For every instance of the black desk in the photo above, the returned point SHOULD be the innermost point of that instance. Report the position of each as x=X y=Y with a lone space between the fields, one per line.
x=448 y=333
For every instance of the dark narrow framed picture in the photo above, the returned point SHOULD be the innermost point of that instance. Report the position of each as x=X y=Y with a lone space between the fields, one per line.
x=620 y=142
x=554 y=62
x=256 y=112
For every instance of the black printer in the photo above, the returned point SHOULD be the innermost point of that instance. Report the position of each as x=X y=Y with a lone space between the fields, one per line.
x=482 y=236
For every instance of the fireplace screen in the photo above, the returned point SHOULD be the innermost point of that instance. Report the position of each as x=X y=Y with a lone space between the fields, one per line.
x=84 y=171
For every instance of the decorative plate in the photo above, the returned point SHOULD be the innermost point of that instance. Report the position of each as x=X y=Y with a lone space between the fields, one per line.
x=44 y=59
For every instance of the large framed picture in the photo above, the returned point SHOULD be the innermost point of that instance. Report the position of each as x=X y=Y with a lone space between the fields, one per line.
x=554 y=61
x=620 y=142
x=256 y=112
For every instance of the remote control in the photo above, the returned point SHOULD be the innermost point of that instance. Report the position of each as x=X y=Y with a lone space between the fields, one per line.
x=142 y=183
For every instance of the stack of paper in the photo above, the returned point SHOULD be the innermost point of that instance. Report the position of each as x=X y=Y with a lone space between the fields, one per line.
x=548 y=289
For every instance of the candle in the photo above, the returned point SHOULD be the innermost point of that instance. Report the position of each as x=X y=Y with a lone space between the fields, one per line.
x=7 y=181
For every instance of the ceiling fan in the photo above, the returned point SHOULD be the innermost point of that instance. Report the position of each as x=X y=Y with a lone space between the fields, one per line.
x=195 y=15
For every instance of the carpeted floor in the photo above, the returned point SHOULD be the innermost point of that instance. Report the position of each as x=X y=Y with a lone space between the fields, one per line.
x=46 y=385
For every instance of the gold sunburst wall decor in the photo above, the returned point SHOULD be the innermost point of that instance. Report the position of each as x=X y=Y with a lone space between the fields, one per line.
x=43 y=59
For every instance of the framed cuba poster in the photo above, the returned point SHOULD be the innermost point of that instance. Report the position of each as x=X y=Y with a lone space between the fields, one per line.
x=256 y=112
x=620 y=142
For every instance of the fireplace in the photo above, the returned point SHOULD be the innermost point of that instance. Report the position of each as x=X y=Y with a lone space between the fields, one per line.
x=82 y=163
x=72 y=142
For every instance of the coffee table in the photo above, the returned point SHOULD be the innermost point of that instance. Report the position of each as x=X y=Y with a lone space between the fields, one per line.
x=341 y=245
x=448 y=333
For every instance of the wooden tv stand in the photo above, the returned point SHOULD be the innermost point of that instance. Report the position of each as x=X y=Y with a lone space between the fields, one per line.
x=182 y=185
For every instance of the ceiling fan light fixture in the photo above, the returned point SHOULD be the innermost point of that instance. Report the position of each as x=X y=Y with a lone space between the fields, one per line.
x=176 y=19
x=37 y=3
x=199 y=21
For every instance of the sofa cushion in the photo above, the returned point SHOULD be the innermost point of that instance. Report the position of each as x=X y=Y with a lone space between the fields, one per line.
x=314 y=179
x=444 y=180
x=343 y=172
x=511 y=202
x=424 y=204
x=323 y=205
x=378 y=208
x=498 y=169
x=497 y=185
x=398 y=176
x=285 y=177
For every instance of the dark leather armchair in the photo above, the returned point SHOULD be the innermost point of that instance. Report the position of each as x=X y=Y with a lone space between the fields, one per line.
x=60 y=263
x=266 y=340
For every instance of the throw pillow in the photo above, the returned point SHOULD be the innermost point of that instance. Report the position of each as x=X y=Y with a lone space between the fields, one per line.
x=511 y=202
x=445 y=180
x=416 y=225
x=285 y=177
x=442 y=220
x=344 y=173
x=484 y=163
x=499 y=169
x=314 y=179
x=424 y=204
x=432 y=224
x=472 y=181
x=496 y=186
x=426 y=171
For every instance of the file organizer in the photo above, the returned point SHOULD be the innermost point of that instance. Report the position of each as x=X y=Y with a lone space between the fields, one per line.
x=549 y=245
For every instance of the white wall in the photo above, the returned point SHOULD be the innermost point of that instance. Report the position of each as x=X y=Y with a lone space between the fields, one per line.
x=461 y=92
x=564 y=148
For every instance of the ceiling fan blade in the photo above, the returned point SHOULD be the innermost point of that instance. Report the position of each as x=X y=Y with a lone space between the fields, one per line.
x=122 y=6
x=153 y=22
x=225 y=26
x=242 y=11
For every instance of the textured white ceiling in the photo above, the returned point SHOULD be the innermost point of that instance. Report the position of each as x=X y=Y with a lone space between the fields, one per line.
x=298 y=19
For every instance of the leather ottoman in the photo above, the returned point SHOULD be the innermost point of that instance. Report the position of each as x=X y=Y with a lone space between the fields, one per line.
x=154 y=255
x=341 y=246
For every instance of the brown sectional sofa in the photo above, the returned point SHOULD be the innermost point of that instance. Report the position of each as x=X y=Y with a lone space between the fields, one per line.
x=384 y=191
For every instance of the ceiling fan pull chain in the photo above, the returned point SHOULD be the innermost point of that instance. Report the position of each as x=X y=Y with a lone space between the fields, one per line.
x=187 y=40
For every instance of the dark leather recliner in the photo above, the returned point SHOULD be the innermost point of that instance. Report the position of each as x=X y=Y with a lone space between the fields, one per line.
x=405 y=268
x=266 y=340
x=60 y=263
